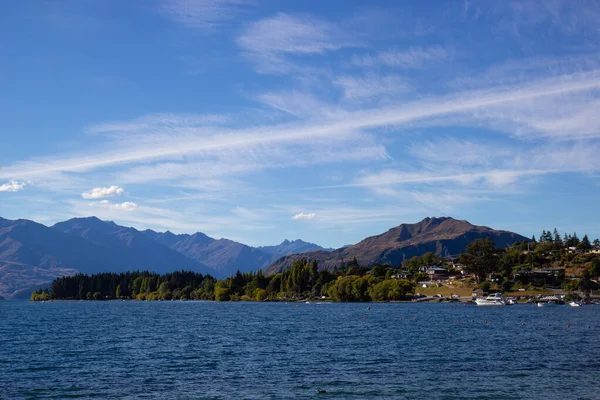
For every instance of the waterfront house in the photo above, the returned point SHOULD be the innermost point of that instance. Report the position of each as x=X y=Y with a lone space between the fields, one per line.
x=403 y=274
x=437 y=273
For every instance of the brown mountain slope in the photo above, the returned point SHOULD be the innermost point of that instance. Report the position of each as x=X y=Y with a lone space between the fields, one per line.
x=442 y=236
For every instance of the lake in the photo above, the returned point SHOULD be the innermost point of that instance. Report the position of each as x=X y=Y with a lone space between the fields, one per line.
x=208 y=350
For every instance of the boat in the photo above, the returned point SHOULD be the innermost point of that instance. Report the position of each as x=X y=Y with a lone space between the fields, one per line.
x=511 y=301
x=495 y=299
x=540 y=304
x=574 y=304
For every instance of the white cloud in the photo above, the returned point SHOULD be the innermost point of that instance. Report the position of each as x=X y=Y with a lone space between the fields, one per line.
x=100 y=192
x=205 y=15
x=270 y=41
x=12 y=186
x=125 y=206
x=304 y=216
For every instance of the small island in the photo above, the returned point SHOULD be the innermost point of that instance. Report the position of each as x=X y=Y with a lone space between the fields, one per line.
x=551 y=265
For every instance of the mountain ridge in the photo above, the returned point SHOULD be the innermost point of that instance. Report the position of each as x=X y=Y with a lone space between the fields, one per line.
x=444 y=236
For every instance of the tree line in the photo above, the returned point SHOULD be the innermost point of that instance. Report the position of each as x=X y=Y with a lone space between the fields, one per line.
x=302 y=280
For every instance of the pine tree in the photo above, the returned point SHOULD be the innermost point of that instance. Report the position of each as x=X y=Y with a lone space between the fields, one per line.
x=574 y=240
x=557 y=238
x=585 y=243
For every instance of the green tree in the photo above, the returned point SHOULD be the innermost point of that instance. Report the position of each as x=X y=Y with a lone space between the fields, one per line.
x=480 y=258
x=164 y=288
x=221 y=294
x=350 y=288
x=506 y=285
x=391 y=289
x=420 y=277
x=485 y=286
x=260 y=294
x=378 y=270
x=595 y=268
x=585 y=243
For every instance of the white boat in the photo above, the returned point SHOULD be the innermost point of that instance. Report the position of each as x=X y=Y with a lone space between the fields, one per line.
x=540 y=304
x=495 y=299
x=574 y=304
x=511 y=301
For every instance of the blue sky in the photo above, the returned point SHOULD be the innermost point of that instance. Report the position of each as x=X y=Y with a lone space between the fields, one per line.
x=327 y=121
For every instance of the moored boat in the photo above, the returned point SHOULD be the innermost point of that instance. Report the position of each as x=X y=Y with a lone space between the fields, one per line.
x=495 y=299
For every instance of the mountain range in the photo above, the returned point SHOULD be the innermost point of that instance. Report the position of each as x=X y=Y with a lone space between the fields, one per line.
x=443 y=236
x=32 y=254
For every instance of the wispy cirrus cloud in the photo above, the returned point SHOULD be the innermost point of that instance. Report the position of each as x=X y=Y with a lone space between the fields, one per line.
x=12 y=186
x=272 y=43
x=371 y=86
x=414 y=57
x=158 y=121
x=204 y=15
x=101 y=192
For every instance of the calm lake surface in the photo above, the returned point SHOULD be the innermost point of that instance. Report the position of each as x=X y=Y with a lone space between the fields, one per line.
x=205 y=350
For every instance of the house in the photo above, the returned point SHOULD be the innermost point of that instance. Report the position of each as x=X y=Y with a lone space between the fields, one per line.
x=403 y=274
x=460 y=268
x=424 y=268
x=437 y=273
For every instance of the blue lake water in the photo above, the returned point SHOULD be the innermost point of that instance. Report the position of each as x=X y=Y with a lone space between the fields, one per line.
x=206 y=350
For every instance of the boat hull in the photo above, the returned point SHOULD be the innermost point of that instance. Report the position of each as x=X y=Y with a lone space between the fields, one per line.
x=489 y=303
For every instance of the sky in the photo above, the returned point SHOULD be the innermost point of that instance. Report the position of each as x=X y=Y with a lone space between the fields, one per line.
x=328 y=121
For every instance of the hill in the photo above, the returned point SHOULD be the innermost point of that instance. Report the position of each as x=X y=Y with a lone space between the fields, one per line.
x=442 y=236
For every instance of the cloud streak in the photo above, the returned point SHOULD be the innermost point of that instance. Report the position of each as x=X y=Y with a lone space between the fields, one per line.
x=101 y=192
x=304 y=216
